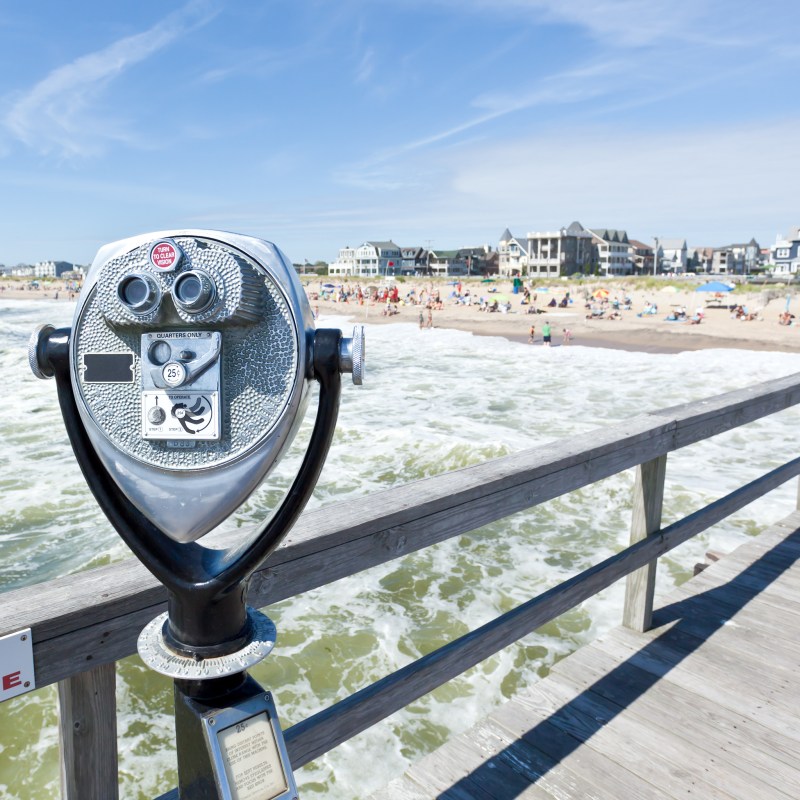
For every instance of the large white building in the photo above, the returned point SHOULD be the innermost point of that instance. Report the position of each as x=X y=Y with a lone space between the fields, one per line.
x=562 y=252
x=613 y=251
x=368 y=260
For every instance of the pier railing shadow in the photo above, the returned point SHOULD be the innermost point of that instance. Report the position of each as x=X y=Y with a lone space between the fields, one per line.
x=82 y=624
x=688 y=624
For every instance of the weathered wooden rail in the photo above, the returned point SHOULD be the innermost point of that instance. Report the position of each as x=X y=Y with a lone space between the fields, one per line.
x=82 y=624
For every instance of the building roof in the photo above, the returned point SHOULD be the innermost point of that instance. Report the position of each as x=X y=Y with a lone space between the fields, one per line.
x=450 y=255
x=506 y=236
x=640 y=245
x=672 y=244
x=610 y=235
x=390 y=245
x=575 y=228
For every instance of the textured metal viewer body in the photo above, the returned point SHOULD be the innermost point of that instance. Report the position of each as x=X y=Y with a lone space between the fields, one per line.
x=190 y=482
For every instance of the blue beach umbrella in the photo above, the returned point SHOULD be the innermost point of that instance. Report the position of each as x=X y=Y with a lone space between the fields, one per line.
x=714 y=286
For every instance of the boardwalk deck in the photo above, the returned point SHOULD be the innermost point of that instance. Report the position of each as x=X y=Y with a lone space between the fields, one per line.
x=706 y=704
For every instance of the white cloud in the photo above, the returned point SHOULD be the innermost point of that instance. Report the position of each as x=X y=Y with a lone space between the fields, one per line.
x=648 y=182
x=55 y=116
x=365 y=66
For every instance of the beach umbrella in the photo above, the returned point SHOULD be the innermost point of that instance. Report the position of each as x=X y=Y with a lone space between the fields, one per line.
x=670 y=290
x=488 y=280
x=714 y=286
x=328 y=286
x=601 y=294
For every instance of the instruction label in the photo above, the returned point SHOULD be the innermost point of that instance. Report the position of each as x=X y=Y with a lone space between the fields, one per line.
x=252 y=761
x=181 y=416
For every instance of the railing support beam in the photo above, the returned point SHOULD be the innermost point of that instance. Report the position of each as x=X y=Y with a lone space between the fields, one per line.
x=648 y=498
x=88 y=735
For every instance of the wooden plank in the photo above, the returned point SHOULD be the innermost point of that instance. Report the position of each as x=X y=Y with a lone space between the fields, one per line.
x=402 y=788
x=715 y=683
x=655 y=759
x=648 y=498
x=588 y=767
x=760 y=629
x=540 y=770
x=88 y=735
x=627 y=733
x=674 y=708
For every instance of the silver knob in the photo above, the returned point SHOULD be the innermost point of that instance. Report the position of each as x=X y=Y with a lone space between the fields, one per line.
x=39 y=367
x=352 y=355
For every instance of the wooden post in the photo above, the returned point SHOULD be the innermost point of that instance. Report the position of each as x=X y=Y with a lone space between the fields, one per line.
x=648 y=496
x=88 y=735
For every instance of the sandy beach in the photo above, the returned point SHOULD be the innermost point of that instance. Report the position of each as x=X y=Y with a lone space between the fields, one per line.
x=630 y=331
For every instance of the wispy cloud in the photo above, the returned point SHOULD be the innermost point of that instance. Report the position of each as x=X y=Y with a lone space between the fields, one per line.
x=570 y=86
x=365 y=65
x=625 y=22
x=55 y=116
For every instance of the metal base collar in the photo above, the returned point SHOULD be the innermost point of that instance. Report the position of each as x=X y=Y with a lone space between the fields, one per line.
x=157 y=655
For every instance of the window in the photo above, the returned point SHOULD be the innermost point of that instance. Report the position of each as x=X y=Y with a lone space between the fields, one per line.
x=782 y=252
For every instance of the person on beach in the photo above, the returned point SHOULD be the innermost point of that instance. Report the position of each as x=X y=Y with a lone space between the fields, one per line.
x=567 y=335
x=430 y=318
x=532 y=335
x=421 y=320
x=546 y=334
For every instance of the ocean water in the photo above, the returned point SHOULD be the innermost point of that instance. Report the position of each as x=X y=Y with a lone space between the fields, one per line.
x=433 y=401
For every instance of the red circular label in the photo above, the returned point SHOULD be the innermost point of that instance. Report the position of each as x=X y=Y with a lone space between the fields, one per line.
x=164 y=255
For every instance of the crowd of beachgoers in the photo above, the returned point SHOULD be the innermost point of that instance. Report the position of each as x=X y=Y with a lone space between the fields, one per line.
x=653 y=316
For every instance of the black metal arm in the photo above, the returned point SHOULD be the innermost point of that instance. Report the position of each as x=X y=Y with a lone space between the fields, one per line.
x=206 y=587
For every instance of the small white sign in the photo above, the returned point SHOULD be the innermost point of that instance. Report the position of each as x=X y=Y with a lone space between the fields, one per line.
x=16 y=664
x=252 y=761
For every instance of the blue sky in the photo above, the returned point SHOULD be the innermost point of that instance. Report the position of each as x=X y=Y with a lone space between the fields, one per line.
x=323 y=124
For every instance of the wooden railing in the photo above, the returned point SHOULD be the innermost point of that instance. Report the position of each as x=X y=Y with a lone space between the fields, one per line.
x=82 y=624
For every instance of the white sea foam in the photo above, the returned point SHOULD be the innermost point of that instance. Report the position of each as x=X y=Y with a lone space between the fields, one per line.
x=433 y=400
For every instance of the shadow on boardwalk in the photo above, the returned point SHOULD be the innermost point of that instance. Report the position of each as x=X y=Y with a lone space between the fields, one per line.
x=690 y=625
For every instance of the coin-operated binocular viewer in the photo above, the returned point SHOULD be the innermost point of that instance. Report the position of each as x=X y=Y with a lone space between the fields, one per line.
x=182 y=381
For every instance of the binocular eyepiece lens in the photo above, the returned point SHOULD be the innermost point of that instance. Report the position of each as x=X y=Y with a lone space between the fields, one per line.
x=193 y=291
x=140 y=293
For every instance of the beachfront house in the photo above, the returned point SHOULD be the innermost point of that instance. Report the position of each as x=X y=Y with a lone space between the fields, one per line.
x=52 y=269
x=611 y=251
x=785 y=254
x=674 y=255
x=378 y=258
x=642 y=256
x=512 y=254
x=447 y=262
x=413 y=260
x=562 y=252
x=736 y=259
x=481 y=260
x=345 y=264
x=700 y=259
